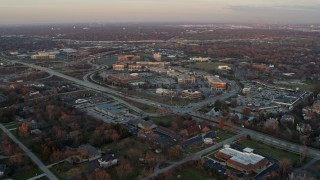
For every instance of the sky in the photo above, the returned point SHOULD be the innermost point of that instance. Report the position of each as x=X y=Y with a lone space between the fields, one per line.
x=83 y=11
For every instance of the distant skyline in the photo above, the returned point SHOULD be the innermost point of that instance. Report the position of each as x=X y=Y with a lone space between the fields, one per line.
x=104 y=11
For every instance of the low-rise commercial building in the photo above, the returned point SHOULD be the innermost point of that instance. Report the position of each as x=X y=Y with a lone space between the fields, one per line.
x=118 y=67
x=124 y=58
x=189 y=94
x=157 y=56
x=153 y=64
x=245 y=161
x=43 y=56
x=216 y=83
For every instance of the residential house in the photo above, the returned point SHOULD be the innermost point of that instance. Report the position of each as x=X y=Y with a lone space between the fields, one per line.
x=195 y=130
x=142 y=124
x=304 y=128
x=287 y=119
x=107 y=160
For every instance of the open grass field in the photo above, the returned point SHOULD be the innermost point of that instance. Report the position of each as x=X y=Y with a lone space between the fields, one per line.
x=192 y=174
x=163 y=120
x=307 y=86
x=61 y=170
x=27 y=174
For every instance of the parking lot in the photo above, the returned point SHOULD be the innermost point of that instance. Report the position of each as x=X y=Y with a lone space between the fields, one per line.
x=269 y=99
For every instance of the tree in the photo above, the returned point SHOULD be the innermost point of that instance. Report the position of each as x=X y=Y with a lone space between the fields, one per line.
x=114 y=135
x=99 y=175
x=23 y=130
x=174 y=152
x=221 y=124
x=75 y=173
x=150 y=157
x=285 y=166
x=246 y=112
x=124 y=169
x=16 y=159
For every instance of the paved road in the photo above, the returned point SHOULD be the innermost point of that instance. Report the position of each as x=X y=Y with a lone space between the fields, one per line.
x=270 y=140
x=96 y=87
x=32 y=156
x=194 y=156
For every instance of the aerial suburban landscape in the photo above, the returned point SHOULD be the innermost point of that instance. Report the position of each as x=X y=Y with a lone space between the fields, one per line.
x=153 y=100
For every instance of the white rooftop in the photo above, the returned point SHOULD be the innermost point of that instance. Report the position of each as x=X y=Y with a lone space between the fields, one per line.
x=242 y=157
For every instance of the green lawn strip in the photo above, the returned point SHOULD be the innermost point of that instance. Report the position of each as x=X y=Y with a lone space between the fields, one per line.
x=308 y=86
x=61 y=170
x=162 y=121
x=198 y=147
x=11 y=126
x=43 y=178
x=192 y=174
x=223 y=135
x=35 y=171
x=270 y=151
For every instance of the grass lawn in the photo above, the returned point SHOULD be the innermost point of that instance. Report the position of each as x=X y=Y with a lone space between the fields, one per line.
x=162 y=121
x=27 y=174
x=60 y=170
x=192 y=174
x=11 y=126
x=137 y=169
x=179 y=101
x=209 y=66
x=146 y=108
x=270 y=151
x=44 y=178
x=223 y=135
x=199 y=147
x=308 y=86
x=122 y=146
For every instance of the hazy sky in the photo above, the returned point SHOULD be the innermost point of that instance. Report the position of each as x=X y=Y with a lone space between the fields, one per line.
x=61 y=11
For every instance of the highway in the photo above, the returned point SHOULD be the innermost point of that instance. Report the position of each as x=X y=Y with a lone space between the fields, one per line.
x=32 y=156
x=115 y=94
x=110 y=92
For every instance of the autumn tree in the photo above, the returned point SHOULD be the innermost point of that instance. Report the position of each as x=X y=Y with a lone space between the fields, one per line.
x=23 y=130
x=124 y=169
x=114 y=135
x=16 y=159
x=99 y=175
x=75 y=173
x=174 y=152
x=246 y=112
x=221 y=123
x=285 y=166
